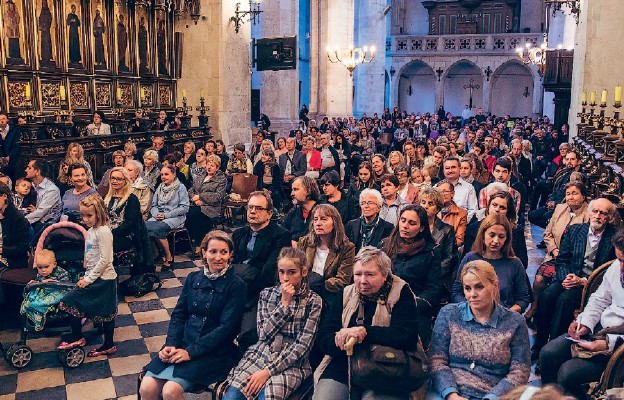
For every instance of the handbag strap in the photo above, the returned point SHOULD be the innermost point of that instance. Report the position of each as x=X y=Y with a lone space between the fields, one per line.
x=359 y=320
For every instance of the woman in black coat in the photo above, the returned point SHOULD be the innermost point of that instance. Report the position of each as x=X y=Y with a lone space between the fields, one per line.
x=412 y=250
x=199 y=347
x=15 y=232
x=126 y=221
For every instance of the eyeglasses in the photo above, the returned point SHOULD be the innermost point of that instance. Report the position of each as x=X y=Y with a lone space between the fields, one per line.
x=256 y=208
x=401 y=174
x=114 y=178
x=368 y=203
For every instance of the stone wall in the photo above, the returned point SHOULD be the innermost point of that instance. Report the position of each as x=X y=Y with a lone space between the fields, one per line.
x=216 y=60
x=598 y=53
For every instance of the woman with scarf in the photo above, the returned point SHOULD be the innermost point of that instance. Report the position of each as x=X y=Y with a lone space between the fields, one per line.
x=269 y=176
x=126 y=220
x=375 y=291
x=169 y=207
x=411 y=248
x=288 y=318
x=199 y=347
x=443 y=235
x=369 y=229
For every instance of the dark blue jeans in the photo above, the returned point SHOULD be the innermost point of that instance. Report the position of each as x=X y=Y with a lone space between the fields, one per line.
x=558 y=366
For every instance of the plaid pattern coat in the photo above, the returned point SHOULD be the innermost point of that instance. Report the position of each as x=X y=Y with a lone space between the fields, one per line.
x=285 y=336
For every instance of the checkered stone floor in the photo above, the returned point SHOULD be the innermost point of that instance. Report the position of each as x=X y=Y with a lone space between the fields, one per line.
x=141 y=328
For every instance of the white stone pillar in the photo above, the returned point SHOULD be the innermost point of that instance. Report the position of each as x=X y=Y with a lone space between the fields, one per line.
x=279 y=90
x=216 y=60
x=439 y=89
x=370 y=78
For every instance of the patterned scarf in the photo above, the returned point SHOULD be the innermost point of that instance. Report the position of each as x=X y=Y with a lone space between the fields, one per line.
x=412 y=247
x=366 y=229
x=215 y=275
x=382 y=294
x=166 y=192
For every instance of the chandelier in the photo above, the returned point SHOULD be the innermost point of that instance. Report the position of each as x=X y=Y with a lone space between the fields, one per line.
x=535 y=55
x=350 y=57
x=573 y=5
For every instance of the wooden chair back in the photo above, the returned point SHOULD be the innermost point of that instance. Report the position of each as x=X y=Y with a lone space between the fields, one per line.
x=385 y=138
x=244 y=185
x=593 y=282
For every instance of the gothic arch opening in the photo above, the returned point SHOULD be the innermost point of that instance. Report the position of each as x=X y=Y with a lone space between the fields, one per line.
x=512 y=90
x=417 y=88
x=463 y=82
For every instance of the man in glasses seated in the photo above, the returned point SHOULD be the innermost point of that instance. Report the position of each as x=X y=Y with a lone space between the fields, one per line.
x=256 y=247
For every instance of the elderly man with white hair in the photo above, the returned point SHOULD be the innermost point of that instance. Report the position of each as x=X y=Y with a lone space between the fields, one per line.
x=583 y=248
x=369 y=229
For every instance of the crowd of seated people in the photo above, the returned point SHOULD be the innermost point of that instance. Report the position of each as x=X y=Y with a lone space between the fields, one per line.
x=359 y=229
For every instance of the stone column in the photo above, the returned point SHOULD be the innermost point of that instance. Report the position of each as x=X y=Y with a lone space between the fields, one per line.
x=279 y=90
x=331 y=91
x=439 y=89
x=216 y=60
x=598 y=54
x=370 y=78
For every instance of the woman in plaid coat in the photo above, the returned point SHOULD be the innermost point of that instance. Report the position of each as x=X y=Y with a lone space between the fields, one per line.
x=288 y=317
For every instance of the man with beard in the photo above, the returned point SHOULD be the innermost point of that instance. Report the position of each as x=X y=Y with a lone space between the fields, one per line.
x=583 y=248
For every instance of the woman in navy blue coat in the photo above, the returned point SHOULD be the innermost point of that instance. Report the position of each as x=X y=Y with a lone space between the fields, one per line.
x=199 y=348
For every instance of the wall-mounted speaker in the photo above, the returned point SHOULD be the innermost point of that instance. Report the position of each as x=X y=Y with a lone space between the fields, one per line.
x=276 y=54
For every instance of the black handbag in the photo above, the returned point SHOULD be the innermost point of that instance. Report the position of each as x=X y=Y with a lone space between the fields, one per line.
x=140 y=285
x=386 y=369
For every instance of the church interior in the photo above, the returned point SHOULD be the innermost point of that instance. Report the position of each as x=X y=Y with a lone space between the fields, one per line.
x=223 y=72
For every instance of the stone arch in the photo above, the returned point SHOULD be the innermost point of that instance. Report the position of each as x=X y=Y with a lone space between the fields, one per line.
x=513 y=89
x=462 y=73
x=415 y=85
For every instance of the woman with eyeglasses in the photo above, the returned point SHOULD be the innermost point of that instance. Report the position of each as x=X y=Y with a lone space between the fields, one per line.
x=126 y=221
x=330 y=184
x=407 y=191
x=368 y=229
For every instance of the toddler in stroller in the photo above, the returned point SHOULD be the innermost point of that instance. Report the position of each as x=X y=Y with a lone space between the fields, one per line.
x=59 y=260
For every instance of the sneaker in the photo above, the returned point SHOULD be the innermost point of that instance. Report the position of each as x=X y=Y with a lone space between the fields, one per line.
x=68 y=346
x=98 y=352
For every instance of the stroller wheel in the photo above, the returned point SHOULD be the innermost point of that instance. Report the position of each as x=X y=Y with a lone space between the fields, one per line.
x=19 y=355
x=72 y=358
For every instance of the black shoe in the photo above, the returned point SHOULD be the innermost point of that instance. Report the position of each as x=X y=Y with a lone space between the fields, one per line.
x=541 y=245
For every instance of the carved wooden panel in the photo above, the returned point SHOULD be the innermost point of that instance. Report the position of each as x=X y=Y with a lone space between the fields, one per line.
x=147 y=93
x=17 y=95
x=78 y=95
x=127 y=99
x=50 y=94
x=164 y=96
x=103 y=97
x=471 y=17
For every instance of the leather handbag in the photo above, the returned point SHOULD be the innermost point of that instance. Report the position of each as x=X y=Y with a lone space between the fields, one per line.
x=386 y=369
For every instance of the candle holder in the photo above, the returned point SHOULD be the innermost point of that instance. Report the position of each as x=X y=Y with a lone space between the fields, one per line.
x=592 y=110
x=202 y=108
x=64 y=116
x=184 y=109
x=582 y=114
x=601 y=117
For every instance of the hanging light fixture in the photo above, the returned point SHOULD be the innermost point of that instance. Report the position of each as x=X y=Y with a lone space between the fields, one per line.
x=350 y=57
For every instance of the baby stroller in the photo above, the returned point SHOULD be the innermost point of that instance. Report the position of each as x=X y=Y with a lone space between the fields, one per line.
x=67 y=241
